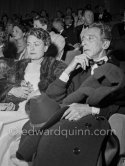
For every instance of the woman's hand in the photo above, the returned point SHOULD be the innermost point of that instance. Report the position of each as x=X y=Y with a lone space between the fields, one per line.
x=7 y=107
x=27 y=84
x=20 y=92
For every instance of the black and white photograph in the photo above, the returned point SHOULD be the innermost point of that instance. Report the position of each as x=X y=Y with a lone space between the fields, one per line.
x=62 y=82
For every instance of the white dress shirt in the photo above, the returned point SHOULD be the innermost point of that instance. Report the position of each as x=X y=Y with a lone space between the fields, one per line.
x=32 y=74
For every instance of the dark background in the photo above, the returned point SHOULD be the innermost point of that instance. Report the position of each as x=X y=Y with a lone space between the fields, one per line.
x=25 y=6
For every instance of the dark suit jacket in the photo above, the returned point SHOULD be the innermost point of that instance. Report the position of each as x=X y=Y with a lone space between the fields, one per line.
x=70 y=35
x=60 y=91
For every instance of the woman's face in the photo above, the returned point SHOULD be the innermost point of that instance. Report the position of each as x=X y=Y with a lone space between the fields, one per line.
x=35 y=48
x=17 y=33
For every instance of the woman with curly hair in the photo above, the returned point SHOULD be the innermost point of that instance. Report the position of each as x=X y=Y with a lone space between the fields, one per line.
x=31 y=76
x=25 y=79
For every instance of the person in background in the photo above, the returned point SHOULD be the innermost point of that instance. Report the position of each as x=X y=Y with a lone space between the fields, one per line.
x=68 y=33
x=88 y=20
x=40 y=22
x=68 y=11
x=9 y=28
x=4 y=20
x=59 y=15
x=43 y=13
x=19 y=40
x=101 y=14
x=57 y=40
x=3 y=39
x=3 y=69
x=79 y=20
x=16 y=44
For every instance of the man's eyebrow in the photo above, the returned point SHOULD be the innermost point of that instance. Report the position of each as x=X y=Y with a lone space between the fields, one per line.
x=34 y=42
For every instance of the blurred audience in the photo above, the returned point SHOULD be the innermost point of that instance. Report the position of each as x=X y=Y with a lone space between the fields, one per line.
x=56 y=39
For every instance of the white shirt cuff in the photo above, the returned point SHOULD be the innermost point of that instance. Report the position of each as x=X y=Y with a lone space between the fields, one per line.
x=95 y=110
x=64 y=77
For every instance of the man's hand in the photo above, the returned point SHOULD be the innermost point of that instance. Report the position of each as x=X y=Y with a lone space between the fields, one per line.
x=77 y=46
x=78 y=61
x=77 y=111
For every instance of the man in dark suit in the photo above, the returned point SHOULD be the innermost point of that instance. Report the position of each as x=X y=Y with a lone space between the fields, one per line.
x=88 y=87
x=95 y=40
x=68 y=32
x=88 y=20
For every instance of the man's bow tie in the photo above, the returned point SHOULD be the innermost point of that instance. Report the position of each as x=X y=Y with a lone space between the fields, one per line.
x=99 y=63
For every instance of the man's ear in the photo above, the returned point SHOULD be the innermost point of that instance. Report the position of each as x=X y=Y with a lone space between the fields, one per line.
x=45 y=48
x=106 y=44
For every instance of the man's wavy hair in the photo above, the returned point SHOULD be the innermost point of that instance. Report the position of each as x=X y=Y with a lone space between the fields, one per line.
x=40 y=34
x=105 y=30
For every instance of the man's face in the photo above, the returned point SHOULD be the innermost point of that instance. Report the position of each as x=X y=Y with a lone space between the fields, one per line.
x=68 y=12
x=57 y=26
x=92 y=43
x=37 y=24
x=79 y=14
x=89 y=17
x=35 y=48
x=68 y=20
